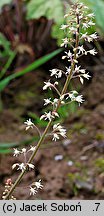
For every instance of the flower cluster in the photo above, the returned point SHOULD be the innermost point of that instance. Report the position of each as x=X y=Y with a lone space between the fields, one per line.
x=35 y=187
x=58 y=130
x=8 y=186
x=29 y=124
x=77 y=19
x=73 y=96
x=25 y=165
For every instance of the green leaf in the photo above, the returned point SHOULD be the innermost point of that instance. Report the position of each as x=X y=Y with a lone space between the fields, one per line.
x=5 y=151
x=5 y=148
x=29 y=68
x=51 y=9
x=7 y=145
x=6 y=45
x=3 y=2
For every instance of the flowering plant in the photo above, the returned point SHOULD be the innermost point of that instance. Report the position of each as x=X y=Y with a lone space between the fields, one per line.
x=77 y=18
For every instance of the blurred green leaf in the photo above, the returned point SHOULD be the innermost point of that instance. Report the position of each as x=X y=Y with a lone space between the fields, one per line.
x=7 y=65
x=7 y=145
x=29 y=68
x=6 y=45
x=6 y=148
x=3 y=2
x=53 y=10
x=5 y=151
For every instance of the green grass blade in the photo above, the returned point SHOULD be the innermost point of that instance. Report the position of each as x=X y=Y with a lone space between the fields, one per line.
x=29 y=68
x=7 y=65
x=5 y=151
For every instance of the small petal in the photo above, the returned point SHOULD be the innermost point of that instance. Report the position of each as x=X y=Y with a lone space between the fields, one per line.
x=31 y=166
x=16 y=152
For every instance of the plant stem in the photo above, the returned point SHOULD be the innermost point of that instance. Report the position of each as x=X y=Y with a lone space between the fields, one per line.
x=49 y=124
x=38 y=145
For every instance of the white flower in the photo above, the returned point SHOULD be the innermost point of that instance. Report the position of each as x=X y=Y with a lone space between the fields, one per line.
x=46 y=116
x=38 y=184
x=47 y=85
x=72 y=29
x=94 y=36
x=55 y=137
x=85 y=7
x=35 y=187
x=15 y=165
x=65 y=42
x=79 y=99
x=23 y=150
x=16 y=152
x=55 y=102
x=72 y=95
x=68 y=55
x=86 y=75
x=59 y=74
x=56 y=83
x=77 y=10
x=31 y=166
x=81 y=49
x=47 y=101
x=21 y=167
x=32 y=148
x=84 y=36
x=29 y=124
x=66 y=15
x=63 y=27
x=68 y=69
x=53 y=72
x=77 y=68
x=55 y=114
x=56 y=72
x=89 y=39
x=91 y=15
x=58 y=130
x=91 y=23
x=92 y=51
x=85 y=25
x=33 y=191
x=81 y=80
x=82 y=70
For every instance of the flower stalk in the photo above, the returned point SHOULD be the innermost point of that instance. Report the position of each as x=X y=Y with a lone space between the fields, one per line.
x=72 y=72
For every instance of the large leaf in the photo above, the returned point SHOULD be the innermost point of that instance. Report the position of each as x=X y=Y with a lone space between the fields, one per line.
x=52 y=9
x=3 y=2
x=29 y=68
